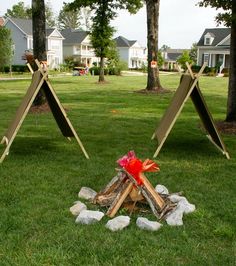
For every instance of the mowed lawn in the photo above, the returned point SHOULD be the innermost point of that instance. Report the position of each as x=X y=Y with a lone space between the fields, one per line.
x=41 y=177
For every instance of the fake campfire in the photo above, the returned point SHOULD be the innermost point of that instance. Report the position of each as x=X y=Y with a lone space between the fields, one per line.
x=130 y=186
x=131 y=190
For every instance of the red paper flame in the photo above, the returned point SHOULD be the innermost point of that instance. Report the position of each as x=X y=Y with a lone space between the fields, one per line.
x=135 y=167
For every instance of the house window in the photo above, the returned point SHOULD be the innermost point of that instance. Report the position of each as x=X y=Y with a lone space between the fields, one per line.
x=207 y=41
x=30 y=44
x=55 y=45
x=206 y=58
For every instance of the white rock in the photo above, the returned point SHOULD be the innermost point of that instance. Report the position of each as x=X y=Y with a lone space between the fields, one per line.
x=77 y=208
x=161 y=189
x=183 y=203
x=87 y=193
x=175 y=217
x=118 y=223
x=176 y=198
x=186 y=206
x=145 y=224
x=89 y=217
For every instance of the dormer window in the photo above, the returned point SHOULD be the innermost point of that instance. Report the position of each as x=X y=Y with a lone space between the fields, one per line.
x=207 y=41
x=208 y=38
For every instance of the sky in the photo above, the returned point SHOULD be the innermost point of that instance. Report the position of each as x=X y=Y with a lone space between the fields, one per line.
x=181 y=22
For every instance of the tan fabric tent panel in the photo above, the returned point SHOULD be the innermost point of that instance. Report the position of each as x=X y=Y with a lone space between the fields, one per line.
x=176 y=104
x=188 y=87
x=40 y=81
x=36 y=78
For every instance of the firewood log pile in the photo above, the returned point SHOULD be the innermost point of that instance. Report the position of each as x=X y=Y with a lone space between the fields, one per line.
x=130 y=187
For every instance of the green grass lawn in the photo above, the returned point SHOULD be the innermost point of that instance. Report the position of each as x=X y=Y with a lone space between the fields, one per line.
x=41 y=177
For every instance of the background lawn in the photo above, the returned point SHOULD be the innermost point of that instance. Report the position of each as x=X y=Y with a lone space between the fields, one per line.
x=42 y=175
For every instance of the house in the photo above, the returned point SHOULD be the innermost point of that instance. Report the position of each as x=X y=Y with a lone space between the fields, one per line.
x=170 y=57
x=77 y=44
x=131 y=52
x=214 y=48
x=22 y=37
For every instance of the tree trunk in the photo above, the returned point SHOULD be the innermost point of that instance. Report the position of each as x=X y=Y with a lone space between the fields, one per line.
x=231 y=104
x=101 y=73
x=152 y=8
x=39 y=38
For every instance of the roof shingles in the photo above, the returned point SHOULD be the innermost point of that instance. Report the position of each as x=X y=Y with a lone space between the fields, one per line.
x=219 y=34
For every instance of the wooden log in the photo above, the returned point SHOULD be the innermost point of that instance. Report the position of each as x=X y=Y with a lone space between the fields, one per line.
x=160 y=202
x=121 y=196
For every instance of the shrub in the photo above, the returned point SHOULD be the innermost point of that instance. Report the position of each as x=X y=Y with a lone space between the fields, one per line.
x=96 y=70
x=19 y=68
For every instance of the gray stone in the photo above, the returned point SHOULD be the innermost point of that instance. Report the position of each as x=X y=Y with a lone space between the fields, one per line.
x=77 y=208
x=145 y=224
x=176 y=198
x=161 y=189
x=182 y=203
x=118 y=223
x=183 y=207
x=175 y=217
x=87 y=193
x=186 y=206
x=89 y=217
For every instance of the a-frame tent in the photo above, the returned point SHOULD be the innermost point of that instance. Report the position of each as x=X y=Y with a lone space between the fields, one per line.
x=188 y=87
x=40 y=81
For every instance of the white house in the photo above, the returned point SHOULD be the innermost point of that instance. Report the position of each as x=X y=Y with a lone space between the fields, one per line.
x=77 y=44
x=214 y=47
x=21 y=32
x=131 y=52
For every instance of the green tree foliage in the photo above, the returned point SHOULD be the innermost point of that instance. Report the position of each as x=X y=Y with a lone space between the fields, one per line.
x=69 y=18
x=193 y=53
x=183 y=59
x=19 y=10
x=101 y=31
x=164 y=47
x=227 y=16
x=160 y=59
x=5 y=46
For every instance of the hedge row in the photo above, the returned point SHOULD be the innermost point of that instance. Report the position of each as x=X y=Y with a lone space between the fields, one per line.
x=15 y=68
x=107 y=71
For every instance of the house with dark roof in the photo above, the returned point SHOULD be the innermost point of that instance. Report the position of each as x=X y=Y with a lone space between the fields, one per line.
x=78 y=45
x=131 y=52
x=170 y=57
x=214 y=48
x=22 y=37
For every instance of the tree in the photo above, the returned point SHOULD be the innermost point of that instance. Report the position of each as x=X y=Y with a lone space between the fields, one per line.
x=49 y=15
x=19 y=11
x=160 y=59
x=193 y=53
x=86 y=13
x=39 y=37
x=5 y=46
x=228 y=18
x=153 y=80
x=183 y=59
x=101 y=31
x=164 y=48
x=69 y=18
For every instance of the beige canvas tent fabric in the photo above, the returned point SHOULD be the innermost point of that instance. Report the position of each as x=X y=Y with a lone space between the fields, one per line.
x=188 y=87
x=40 y=81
